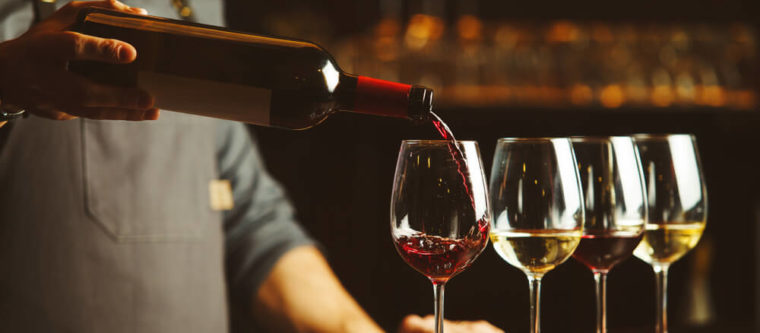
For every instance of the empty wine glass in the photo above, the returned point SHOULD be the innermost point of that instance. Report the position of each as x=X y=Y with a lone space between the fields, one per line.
x=677 y=201
x=440 y=212
x=538 y=208
x=615 y=208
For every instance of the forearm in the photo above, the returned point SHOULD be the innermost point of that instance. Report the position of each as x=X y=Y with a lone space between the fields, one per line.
x=302 y=294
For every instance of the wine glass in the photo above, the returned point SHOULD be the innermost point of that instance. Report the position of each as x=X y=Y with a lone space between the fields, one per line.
x=677 y=201
x=615 y=208
x=538 y=208
x=440 y=212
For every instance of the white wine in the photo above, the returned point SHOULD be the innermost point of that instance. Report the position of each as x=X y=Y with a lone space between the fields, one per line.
x=536 y=251
x=666 y=243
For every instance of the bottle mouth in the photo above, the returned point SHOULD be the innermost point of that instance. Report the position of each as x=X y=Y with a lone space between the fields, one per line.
x=420 y=103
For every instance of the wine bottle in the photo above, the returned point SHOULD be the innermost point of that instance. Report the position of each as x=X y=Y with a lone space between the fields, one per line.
x=221 y=73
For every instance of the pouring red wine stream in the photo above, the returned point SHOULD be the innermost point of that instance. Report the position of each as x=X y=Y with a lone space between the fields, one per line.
x=456 y=153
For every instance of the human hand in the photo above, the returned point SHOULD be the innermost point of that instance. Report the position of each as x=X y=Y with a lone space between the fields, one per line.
x=34 y=75
x=417 y=324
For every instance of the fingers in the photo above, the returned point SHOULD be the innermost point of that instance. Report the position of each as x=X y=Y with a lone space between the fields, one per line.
x=152 y=114
x=99 y=113
x=67 y=15
x=417 y=324
x=75 y=91
x=480 y=326
x=101 y=49
x=115 y=114
x=66 y=94
x=96 y=95
x=68 y=45
x=51 y=114
x=113 y=4
x=413 y=324
x=45 y=88
x=74 y=7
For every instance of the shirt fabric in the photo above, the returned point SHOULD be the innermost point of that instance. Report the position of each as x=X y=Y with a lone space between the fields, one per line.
x=106 y=226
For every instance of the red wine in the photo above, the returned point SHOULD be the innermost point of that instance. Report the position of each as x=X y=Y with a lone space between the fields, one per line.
x=456 y=153
x=257 y=79
x=601 y=252
x=458 y=156
x=440 y=258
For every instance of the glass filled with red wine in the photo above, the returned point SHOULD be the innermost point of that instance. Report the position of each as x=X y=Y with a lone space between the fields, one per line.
x=616 y=208
x=440 y=212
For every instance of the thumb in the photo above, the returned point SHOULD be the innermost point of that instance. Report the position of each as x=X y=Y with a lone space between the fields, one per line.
x=416 y=324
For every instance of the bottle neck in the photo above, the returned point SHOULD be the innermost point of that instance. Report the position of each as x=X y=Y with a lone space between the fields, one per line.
x=362 y=94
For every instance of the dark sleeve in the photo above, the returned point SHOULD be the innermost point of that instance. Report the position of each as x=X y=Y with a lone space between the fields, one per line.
x=261 y=227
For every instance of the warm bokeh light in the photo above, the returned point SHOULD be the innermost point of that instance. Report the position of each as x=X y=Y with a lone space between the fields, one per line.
x=422 y=29
x=581 y=94
x=612 y=96
x=564 y=63
x=469 y=27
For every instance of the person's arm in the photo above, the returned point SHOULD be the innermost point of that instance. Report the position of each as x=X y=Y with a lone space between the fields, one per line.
x=275 y=273
x=302 y=294
x=34 y=75
x=260 y=229
x=276 y=276
x=417 y=324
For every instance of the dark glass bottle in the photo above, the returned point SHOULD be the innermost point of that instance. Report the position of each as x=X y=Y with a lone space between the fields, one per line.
x=257 y=79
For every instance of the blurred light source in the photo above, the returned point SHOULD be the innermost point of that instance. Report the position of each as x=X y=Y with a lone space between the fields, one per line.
x=422 y=29
x=562 y=32
x=469 y=27
x=685 y=88
x=662 y=94
x=565 y=63
x=581 y=94
x=612 y=96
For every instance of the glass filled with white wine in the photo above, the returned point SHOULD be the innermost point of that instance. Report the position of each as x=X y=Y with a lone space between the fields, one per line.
x=677 y=206
x=538 y=208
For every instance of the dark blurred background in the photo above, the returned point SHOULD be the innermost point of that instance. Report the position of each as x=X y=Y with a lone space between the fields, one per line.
x=533 y=68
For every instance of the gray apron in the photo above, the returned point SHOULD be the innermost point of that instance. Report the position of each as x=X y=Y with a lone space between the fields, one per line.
x=105 y=226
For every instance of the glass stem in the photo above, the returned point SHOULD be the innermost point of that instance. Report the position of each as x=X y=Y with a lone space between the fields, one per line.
x=601 y=301
x=438 y=305
x=535 y=303
x=661 y=278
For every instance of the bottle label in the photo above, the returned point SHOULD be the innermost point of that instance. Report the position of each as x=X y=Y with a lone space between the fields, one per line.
x=380 y=97
x=208 y=98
